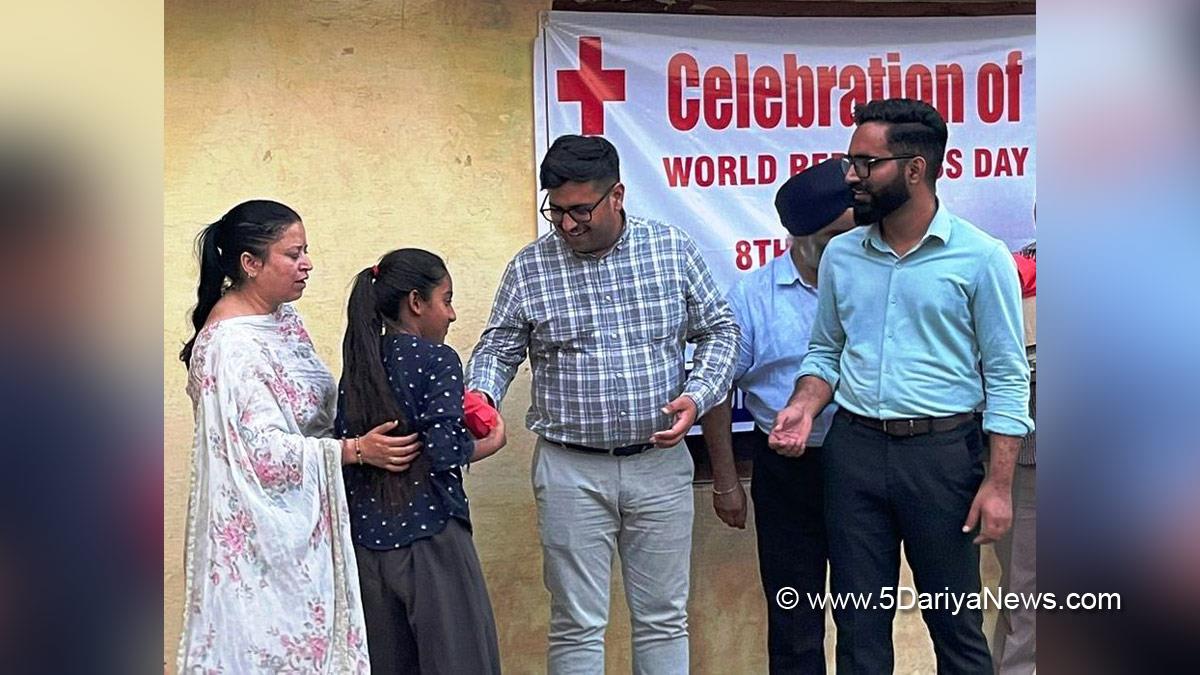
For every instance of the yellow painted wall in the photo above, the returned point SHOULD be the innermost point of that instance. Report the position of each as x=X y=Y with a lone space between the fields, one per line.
x=387 y=124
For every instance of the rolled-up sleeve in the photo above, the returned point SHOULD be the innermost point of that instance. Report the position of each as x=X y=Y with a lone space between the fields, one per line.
x=999 y=329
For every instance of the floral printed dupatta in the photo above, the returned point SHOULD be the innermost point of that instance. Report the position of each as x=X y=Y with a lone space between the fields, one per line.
x=271 y=580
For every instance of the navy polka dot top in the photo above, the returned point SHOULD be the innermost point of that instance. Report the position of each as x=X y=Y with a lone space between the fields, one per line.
x=427 y=380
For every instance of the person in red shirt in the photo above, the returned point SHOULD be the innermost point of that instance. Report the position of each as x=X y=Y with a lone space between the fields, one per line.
x=1014 y=640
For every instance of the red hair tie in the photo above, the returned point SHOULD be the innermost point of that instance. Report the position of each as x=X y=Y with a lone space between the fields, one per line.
x=375 y=272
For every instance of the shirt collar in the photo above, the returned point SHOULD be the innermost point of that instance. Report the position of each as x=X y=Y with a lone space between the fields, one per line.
x=784 y=272
x=941 y=224
x=632 y=226
x=939 y=228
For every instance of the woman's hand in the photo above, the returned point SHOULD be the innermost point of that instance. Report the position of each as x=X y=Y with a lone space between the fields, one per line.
x=488 y=445
x=391 y=453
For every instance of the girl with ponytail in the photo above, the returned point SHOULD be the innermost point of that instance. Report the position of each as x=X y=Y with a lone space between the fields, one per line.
x=270 y=580
x=424 y=597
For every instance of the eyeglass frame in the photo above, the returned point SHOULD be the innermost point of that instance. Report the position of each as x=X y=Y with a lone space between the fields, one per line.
x=546 y=200
x=849 y=161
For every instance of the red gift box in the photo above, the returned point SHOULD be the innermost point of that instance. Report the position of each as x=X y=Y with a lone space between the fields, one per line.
x=479 y=416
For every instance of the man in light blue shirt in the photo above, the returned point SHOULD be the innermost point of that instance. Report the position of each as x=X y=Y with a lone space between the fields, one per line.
x=918 y=325
x=774 y=307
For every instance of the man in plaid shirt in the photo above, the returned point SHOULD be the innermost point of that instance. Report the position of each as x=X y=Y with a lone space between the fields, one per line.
x=603 y=305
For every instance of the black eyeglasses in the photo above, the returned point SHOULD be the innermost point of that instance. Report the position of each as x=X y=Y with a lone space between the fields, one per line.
x=580 y=213
x=862 y=165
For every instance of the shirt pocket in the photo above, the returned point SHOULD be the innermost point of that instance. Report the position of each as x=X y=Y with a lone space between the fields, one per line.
x=661 y=315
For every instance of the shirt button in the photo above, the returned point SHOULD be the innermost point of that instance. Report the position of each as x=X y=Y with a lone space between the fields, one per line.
x=612 y=335
x=893 y=299
x=622 y=413
x=620 y=376
x=889 y=336
x=608 y=298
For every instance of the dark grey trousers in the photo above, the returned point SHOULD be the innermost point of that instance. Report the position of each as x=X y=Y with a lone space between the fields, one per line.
x=881 y=491
x=792 y=552
x=427 y=607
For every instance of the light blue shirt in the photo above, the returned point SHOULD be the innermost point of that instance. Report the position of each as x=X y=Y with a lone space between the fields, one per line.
x=933 y=333
x=775 y=310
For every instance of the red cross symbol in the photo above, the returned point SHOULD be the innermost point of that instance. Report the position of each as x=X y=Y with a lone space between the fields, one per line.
x=591 y=85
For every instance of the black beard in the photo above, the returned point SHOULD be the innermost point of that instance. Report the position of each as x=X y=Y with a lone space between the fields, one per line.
x=881 y=205
x=864 y=213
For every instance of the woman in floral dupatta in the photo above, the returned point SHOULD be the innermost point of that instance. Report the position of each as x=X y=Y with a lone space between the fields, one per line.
x=271 y=579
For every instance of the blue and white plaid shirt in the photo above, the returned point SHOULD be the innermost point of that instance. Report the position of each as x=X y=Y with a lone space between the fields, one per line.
x=605 y=336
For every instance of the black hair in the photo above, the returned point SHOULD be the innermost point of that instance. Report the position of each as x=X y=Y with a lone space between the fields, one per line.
x=367 y=399
x=579 y=159
x=250 y=227
x=913 y=128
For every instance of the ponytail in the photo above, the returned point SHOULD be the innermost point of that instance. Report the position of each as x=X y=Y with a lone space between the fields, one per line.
x=250 y=227
x=367 y=398
x=212 y=284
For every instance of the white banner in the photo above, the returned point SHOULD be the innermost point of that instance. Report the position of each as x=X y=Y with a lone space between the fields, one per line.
x=711 y=115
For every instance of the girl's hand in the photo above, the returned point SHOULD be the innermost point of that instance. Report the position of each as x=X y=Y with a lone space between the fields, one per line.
x=488 y=445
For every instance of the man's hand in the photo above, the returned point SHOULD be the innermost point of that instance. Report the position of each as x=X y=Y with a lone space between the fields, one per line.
x=684 y=410
x=731 y=508
x=718 y=436
x=789 y=436
x=993 y=506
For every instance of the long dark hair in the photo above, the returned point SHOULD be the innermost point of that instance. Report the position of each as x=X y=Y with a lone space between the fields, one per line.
x=367 y=399
x=250 y=227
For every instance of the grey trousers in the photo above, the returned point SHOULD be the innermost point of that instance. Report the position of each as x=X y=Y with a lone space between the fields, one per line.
x=427 y=608
x=1015 y=639
x=640 y=509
